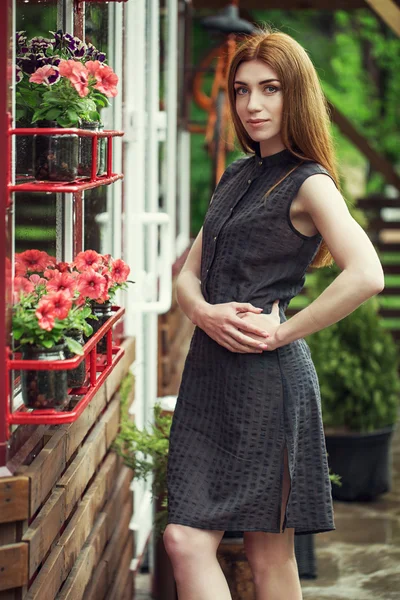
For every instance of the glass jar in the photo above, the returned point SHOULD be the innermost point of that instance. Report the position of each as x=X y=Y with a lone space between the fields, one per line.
x=103 y=312
x=44 y=389
x=56 y=157
x=76 y=377
x=85 y=149
x=101 y=153
x=23 y=152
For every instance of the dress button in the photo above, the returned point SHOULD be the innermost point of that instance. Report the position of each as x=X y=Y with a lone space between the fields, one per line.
x=249 y=181
x=207 y=270
x=260 y=163
x=215 y=237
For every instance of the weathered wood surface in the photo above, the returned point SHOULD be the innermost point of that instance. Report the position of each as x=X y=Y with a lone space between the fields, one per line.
x=69 y=497
x=123 y=574
x=13 y=565
x=84 y=566
x=14 y=496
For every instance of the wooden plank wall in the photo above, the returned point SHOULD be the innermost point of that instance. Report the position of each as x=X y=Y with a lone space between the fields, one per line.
x=64 y=515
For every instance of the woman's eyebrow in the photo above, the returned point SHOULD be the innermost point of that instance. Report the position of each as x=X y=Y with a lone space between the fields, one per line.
x=259 y=83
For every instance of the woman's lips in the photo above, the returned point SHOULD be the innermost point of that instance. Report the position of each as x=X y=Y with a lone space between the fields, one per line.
x=258 y=123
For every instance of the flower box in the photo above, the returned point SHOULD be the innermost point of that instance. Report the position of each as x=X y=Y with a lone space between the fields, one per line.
x=81 y=183
x=99 y=369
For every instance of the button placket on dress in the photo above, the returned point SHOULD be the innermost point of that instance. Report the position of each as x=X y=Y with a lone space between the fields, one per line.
x=232 y=208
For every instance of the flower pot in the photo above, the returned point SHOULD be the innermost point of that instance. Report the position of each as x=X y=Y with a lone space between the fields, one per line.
x=44 y=389
x=56 y=157
x=85 y=150
x=76 y=377
x=103 y=312
x=101 y=153
x=305 y=555
x=363 y=461
x=23 y=152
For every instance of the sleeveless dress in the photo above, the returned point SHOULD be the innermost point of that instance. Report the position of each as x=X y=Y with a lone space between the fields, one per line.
x=235 y=413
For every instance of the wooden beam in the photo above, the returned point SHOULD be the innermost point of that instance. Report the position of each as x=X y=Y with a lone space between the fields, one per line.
x=14 y=499
x=378 y=162
x=13 y=566
x=388 y=12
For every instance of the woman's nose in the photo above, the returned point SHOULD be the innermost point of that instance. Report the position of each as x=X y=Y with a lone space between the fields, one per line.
x=254 y=103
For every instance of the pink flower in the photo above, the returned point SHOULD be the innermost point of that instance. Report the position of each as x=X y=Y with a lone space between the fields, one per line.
x=62 y=304
x=91 y=284
x=65 y=67
x=21 y=284
x=94 y=66
x=45 y=314
x=103 y=298
x=106 y=81
x=62 y=282
x=46 y=75
x=32 y=260
x=64 y=267
x=119 y=271
x=50 y=273
x=80 y=79
x=37 y=280
x=80 y=300
x=89 y=258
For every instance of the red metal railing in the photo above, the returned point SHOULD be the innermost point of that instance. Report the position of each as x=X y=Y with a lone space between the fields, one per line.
x=102 y=364
x=83 y=183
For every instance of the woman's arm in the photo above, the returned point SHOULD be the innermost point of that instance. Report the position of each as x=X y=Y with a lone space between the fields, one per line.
x=361 y=276
x=219 y=321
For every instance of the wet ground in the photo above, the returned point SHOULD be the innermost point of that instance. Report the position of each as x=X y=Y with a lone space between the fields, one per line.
x=361 y=559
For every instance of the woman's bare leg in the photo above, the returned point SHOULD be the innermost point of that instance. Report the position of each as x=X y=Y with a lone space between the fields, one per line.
x=193 y=554
x=272 y=558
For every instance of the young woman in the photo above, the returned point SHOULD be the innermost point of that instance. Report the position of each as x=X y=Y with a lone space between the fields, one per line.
x=247 y=447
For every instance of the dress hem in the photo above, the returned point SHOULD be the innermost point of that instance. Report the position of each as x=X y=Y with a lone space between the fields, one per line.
x=297 y=530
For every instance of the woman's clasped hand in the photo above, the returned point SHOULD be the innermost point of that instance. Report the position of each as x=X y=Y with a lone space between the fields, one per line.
x=240 y=326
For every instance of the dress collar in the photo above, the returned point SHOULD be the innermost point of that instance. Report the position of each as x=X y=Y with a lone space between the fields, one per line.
x=283 y=157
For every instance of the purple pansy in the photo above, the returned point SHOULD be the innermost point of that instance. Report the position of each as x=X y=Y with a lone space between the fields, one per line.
x=18 y=74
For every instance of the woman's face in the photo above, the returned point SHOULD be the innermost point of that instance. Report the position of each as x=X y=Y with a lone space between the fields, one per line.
x=259 y=103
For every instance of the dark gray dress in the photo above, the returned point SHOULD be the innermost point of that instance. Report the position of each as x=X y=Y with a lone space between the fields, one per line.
x=235 y=412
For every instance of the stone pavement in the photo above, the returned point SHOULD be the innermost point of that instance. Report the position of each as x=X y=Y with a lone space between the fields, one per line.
x=361 y=559
x=358 y=561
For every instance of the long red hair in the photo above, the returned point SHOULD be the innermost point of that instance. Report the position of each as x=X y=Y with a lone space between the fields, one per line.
x=305 y=127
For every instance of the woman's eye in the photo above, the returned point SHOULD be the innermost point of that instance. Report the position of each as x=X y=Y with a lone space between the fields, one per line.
x=271 y=87
x=241 y=90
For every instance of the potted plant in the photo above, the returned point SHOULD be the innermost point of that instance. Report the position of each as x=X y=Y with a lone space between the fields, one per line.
x=357 y=364
x=102 y=277
x=62 y=82
x=48 y=312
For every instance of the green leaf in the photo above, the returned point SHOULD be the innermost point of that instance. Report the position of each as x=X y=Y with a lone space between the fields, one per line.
x=73 y=346
x=47 y=343
x=72 y=115
x=52 y=114
x=94 y=116
x=87 y=329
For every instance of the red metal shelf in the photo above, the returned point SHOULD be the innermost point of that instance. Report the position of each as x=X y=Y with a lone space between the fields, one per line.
x=74 y=186
x=102 y=364
x=80 y=184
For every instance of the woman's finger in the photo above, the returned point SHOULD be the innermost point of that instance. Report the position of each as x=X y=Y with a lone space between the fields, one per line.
x=275 y=307
x=238 y=346
x=244 y=340
x=249 y=328
x=246 y=307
